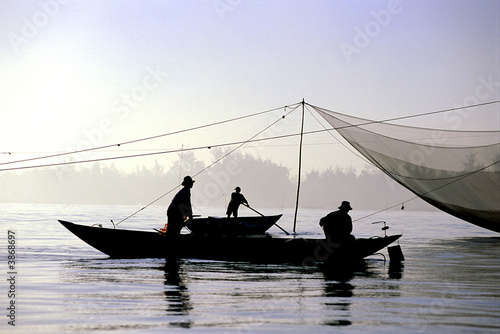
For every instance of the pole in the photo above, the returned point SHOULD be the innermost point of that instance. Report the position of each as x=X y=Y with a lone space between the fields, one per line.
x=248 y=206
x=180 y=166
x=300 y=168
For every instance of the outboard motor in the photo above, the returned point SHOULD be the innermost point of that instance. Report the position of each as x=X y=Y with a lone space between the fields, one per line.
x=395 y=252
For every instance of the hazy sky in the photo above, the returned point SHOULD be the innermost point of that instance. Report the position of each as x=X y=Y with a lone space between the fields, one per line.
x=75 y=74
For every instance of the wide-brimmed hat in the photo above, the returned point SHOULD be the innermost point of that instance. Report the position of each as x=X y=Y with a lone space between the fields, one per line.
x=345 y=205
x=187 y=180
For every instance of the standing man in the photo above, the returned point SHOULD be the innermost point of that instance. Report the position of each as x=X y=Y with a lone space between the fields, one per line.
x=236 y=199
x=338 y=225
x=180 y=209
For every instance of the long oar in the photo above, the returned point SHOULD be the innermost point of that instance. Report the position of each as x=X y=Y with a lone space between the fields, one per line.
x=248 y=206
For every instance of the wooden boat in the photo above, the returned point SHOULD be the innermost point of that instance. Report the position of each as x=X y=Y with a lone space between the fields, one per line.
x=223 y=226
x=119 y=243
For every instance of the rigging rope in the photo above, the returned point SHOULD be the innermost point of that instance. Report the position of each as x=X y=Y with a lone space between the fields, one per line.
x=318 y=109
x=387 y=120
x=430 y=191
x=157 y=153
x=212 y=164
x=371 y=122
x=240 y=144
x=141 y=139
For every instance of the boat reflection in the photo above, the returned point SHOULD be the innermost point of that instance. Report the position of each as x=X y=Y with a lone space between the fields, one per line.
x=348 y=285
x=164 y=291
x=177 y=293
x=338 y=301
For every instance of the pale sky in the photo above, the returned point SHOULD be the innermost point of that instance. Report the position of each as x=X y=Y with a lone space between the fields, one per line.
x=75 y=74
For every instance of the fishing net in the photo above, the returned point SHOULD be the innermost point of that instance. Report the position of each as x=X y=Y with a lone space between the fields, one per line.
x=455 y=171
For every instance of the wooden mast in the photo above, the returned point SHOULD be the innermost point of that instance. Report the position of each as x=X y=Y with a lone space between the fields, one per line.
x=300 y=168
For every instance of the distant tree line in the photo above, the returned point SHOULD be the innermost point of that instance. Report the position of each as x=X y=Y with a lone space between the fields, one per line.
x=264 y=183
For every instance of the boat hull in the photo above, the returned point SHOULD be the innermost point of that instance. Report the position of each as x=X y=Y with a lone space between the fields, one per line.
x=119 y=243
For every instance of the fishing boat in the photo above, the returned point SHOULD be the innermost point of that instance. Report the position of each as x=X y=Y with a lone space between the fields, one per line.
x=218 y=238
x=458 y=172
x=124 y=243
x=251 y=225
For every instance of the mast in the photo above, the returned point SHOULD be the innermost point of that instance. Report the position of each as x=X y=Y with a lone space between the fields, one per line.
x=180 y=166
x=300 y=168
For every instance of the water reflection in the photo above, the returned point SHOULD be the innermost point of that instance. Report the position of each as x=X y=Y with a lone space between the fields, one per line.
x=346 y=272
x=339 y=294
x=137 y=281
x=338 y=291
x=396 y=269
x=160 y=293
x=346 y=285
x=176 y=292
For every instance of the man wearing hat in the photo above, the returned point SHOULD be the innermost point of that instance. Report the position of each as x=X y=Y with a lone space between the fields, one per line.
x=180 y=209
x=338 y=225
x=236 y=199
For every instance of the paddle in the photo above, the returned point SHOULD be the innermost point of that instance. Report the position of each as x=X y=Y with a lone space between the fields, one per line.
x=248 y=206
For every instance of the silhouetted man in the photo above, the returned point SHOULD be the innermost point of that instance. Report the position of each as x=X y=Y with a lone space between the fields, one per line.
x=180 y=209
x=236 y=199
x=338 y=225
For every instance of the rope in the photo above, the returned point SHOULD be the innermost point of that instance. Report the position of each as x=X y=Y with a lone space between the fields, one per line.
x=430 y=191
x=239 y=143
x=212 y=164
x=322 y=110
x=154 y=153
x=318 y=109
x=139 y=140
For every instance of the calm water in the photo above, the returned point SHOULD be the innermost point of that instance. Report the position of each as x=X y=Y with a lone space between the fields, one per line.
x=449 y=283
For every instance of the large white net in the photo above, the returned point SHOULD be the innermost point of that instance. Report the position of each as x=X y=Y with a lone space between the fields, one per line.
x=456 y=171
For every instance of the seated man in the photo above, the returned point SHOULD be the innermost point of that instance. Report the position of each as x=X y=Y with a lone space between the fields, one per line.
x=338 y=225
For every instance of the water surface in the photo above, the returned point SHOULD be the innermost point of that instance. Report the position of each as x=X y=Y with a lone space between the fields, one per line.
x=449 y=282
